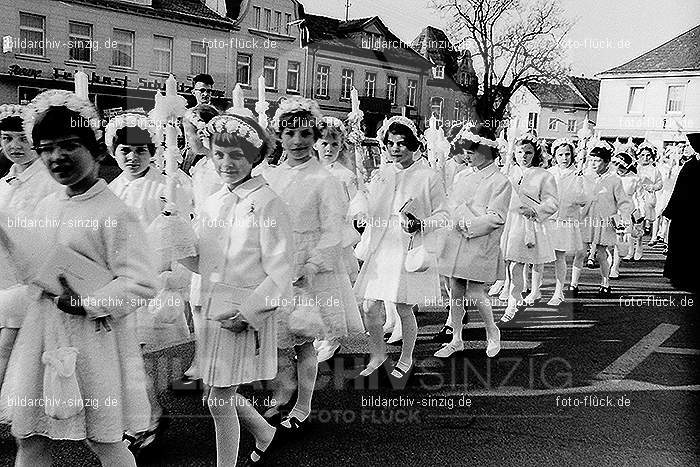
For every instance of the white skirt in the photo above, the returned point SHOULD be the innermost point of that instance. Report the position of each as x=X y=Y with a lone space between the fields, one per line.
x=565 y=235
x=383 y=276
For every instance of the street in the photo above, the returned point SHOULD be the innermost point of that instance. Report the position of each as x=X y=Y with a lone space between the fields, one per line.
x=600 y=382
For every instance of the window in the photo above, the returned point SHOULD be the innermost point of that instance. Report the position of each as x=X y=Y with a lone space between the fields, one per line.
x=243 y=68
x=532 y=121
x=287 y=20
x=635 y=104
x=268 y=19
x=31 y=34
x=278 y=22
x=674 y=101
x=123 y=54
x=372 y=41
x=370 y=84
x=436 y=107
x=162 y=53
x=199 y=57
x=270 y=73
x=439 y=71
x=347 y=83
x=553 y=123
x=458 y=111
x=391 y=83
x=322 y=80
x=293 y=76
x=80 y=40
x=571 y=126
x=256 y=11
x=411 y=90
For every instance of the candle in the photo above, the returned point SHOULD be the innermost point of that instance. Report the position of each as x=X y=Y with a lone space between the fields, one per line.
x=261 y=89
x=355 y=100
x=237 y=97
x=433 y=122
x=81 y=84
x=171 y=86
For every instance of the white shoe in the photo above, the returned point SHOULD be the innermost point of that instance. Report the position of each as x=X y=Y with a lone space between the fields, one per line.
x=509 y=314
x=614 y=273
x=192 y=372
x=638 y=255
x=556 y=300
x=496 y=288
x=396 y=336
x=504 y=295
x=327 y=351
x=493 y=345
x=532 y=298
x=448 y=349
x=372 y=367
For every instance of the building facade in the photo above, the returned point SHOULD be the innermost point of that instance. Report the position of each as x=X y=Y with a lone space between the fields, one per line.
x=555 y=111
x=654 y=96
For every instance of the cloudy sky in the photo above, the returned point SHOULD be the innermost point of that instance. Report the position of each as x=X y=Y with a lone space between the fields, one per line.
x=635 y=25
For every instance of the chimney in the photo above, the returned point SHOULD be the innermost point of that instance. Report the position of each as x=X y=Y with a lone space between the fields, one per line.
x=219 y=6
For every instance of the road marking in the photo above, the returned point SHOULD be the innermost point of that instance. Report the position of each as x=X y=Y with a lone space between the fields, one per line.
x=677 y=351
x=646 y=346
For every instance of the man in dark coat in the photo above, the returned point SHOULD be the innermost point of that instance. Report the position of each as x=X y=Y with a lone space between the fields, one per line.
x=683 y=257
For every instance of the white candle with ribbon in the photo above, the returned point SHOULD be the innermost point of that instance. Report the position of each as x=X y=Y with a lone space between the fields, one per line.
x=81 y=84
x=171 y=86
x=261 y=106
x=354 y=100
x=237 y=99
x=261 y=89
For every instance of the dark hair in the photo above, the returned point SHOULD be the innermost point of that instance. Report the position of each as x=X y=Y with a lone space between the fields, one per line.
x=59 y=122
x=293 y=120
x=399 y=129
x=603 y=153
x=203 y=78
x=327 y=131
x=133 y=136
x=482 y=130
x=11 y=124
x=452 y=133
x=571 y=148
x=232 y=140
x=205 y=111
x=627 y=160
x=537 y=158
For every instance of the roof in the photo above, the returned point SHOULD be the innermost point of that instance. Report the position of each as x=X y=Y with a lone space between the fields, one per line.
x=557 y=95
x=192 y=11
x=589 y=88
x=682 y=53
x=333 y=33
x=441 y=49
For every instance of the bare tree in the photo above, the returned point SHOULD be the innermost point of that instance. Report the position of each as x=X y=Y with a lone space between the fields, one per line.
x=513 y=42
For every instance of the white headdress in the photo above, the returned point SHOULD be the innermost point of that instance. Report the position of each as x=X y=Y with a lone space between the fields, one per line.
x=647 y=145
x=292 y=105
x=234 y=125
x=11 y=110
x=59 y=98
x=407 y=122
x=466 y=134
x=132 y=120
x=562 y=141
x=601 y=143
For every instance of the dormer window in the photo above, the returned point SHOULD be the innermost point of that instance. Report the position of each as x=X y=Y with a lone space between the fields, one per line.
x=439 y=71
x=372 y=41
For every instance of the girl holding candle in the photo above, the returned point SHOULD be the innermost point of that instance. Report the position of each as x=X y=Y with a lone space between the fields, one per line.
x=417 y=188
x=317 y=204
x=108 y=364
x=627 y=240
x=534 y=200
x=651 y=183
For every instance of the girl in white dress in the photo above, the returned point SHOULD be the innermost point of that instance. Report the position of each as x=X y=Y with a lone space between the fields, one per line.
x=316 y=202
x=534 y=200
x=565 y=226
x=329 y=146
x=478 y=207
x=418 y=189
x=626 y=241
x=97 y=331
x=609 y=206
x=245 y=261
x=27 y=183
x=650 y=183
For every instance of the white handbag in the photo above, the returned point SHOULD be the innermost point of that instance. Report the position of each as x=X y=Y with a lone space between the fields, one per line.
x=418 y=259
x=62 y=398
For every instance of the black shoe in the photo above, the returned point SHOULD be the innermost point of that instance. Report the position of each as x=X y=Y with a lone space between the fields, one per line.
x=187 y=384
x=296 y=426
x=572 y=292
x=665 y=252
x=444 y=336
x=262 y=454
x=592 y=264
x=604 y=292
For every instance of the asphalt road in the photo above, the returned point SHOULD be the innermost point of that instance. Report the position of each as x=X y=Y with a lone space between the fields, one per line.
x=595 y=382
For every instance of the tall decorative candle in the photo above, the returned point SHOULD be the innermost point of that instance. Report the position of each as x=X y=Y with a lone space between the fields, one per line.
x=81 y=84
x=355 y=100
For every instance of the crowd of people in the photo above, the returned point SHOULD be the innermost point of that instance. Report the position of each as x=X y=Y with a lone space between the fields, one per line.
x=276 y=261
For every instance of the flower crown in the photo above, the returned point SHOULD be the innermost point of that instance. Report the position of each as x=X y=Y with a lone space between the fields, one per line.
x=232 y=124
x=332 y=122
x=560 y=142
x=601 y=143
x=397 y=119
x=293 y=105
x=647 y=145
x=131 y=120
x=59 y=98
x=466 y=134
x=11 y=110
